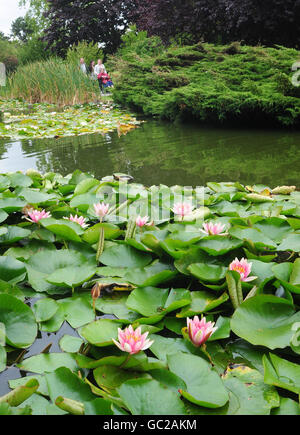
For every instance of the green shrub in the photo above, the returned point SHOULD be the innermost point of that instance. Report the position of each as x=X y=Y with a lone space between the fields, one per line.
x=33 y=50
x=210 y=83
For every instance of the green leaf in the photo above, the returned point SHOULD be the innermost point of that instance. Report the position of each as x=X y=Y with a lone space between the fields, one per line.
x=48 y=362
x=13 y=234
x=111 y=377
x=19 y=321
x=207 y=272
x=219 y=245
x=63 y=382
x=204 y=386
x=201 y=302
x=63 y=228
x=265 y=320
x=281 y=373
x=44 y=309
x=290 y=243
x=287 y=407
x=248 y=393
x=47 y=270
x=124 y=256
x=149 y=397
x=11 y=270
x=69 y=343
x=151 y=301
x=111 y=232
x=155 y=274
x=101 y=332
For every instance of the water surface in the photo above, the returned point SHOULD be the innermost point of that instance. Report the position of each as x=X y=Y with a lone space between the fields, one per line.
x=158 y=152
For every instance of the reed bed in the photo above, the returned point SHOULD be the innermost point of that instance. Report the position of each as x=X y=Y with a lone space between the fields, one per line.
x=51 y=81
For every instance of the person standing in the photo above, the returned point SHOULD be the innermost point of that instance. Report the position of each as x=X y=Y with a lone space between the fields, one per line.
x=92 y=70
x=99 y=67
x=83 y=65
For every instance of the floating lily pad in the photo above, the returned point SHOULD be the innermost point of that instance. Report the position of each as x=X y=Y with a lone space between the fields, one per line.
x=19 y=321
x=265 y=320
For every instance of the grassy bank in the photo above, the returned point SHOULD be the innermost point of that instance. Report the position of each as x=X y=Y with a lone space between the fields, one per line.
x=219 y=84
x=52 y=81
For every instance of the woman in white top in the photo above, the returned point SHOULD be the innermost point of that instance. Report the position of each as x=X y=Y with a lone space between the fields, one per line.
x=99 y=67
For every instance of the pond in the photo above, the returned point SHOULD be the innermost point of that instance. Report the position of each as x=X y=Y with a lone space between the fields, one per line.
x=158 y=152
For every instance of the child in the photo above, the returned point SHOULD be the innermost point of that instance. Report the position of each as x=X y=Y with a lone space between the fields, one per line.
x=104 y=80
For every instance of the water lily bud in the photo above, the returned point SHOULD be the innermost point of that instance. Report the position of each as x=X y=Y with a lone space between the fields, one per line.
x=96 y=290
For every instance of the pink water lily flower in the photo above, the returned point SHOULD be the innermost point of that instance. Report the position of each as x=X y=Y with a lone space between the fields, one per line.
x=101 y=209
x=142 y=221
x=78 y=219
x=132 y=341
x=182 y=209
x=243 y=268
x=36 y=215
x=200 y=330
x=213 y=229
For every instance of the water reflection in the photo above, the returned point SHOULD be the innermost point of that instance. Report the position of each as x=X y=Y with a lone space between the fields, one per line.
x=166 y=153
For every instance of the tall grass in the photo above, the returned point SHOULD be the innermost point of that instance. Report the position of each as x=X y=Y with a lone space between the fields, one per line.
x=51 y=81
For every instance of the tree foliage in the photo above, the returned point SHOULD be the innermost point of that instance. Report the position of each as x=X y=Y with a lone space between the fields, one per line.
x=98 y=21
x=253 y=21
x=23 y=28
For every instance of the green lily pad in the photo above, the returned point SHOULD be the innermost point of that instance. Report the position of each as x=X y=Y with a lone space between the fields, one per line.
x=204 y=386
x=265 y=320
x=11 y=270
x=124 y=256
x=101 y=332
x=281 y=373
x=219 y=245
x=208 y=272
x=138 y=394
x=202 y=302
x=44 y=309
x=19 y=321
x=248 y=393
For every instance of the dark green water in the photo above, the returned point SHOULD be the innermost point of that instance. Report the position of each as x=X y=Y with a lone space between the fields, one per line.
x=165 y=153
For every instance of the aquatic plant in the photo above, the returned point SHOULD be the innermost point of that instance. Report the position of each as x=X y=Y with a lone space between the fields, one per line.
x=132 y=341
x=24 y=120
x=162 y=321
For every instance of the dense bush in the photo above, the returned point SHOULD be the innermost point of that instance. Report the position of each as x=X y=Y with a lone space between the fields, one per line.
x=210 y=83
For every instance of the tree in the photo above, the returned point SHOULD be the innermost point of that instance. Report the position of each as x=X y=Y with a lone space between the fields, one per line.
x=37 y=8
x=253 y=21
x=97 y=21
x=267 y=22
x=22 y=28
x=3 y=37
x=170 y=18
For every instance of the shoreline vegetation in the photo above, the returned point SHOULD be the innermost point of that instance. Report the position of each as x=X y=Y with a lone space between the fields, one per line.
x=89 y=253
x=206 y=83
x=209 y=83
x=52 y=81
